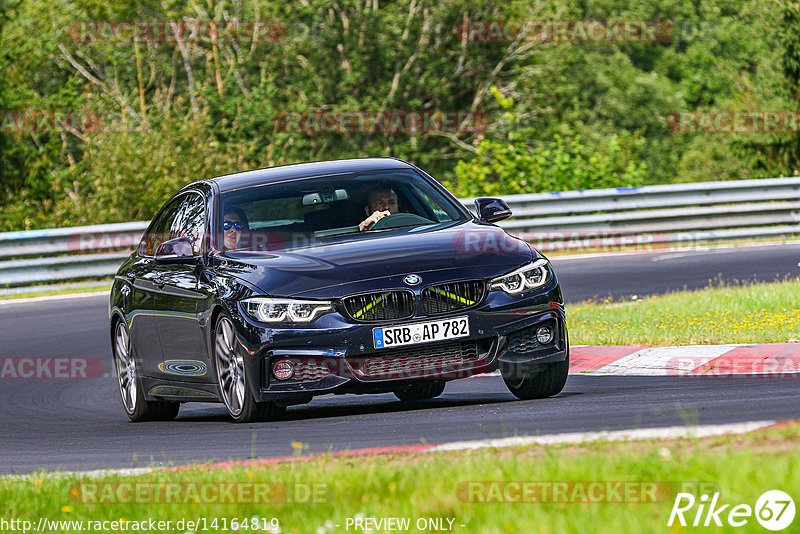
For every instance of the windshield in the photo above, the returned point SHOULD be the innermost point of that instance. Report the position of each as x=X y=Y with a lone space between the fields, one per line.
x=319 y=210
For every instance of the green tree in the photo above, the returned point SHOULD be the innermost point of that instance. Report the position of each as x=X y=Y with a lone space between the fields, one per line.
x=779 y=153
x=572 y=114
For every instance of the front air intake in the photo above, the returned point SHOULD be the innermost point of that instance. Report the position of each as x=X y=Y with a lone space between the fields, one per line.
x=380 y=306
x=453 y=296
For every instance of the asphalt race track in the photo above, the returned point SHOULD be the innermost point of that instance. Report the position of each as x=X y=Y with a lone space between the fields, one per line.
x=80 y=424
x=622 y=275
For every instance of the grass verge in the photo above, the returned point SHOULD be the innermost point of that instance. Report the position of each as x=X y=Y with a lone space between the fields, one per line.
x=755 y=313
x=321 y=493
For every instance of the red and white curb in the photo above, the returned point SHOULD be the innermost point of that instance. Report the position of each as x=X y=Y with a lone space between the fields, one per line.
x=767 y=360
x=771 y=360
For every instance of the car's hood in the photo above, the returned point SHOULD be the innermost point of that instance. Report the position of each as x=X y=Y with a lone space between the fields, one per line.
x=370 y=262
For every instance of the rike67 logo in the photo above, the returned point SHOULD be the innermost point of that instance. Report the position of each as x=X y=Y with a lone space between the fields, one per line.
x=774 y=510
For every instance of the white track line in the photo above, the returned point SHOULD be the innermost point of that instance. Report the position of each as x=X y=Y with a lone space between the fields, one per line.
x=616 y=435
x=551 y=439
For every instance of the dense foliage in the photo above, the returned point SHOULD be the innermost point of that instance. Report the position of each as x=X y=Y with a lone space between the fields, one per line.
x=155 y=113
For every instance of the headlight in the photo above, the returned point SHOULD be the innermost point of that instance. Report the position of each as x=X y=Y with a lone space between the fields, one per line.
x=269 y=310
x=529 y=276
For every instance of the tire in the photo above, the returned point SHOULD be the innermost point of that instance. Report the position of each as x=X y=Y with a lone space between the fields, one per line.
x=232 y=379
x=417 y=391
x=130 y=387
x=545 y=383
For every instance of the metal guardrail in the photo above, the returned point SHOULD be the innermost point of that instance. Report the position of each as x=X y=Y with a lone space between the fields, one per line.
x=676 y=214
x=63 y=254
x=597 y=218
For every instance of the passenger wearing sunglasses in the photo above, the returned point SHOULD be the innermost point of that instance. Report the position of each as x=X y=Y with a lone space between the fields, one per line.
x=233 y=224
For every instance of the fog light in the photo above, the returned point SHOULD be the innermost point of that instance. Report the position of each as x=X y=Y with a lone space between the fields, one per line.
x=283 y=370
x=544 y=335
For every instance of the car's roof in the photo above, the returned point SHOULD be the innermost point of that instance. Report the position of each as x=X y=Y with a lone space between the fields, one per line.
x=274 y=174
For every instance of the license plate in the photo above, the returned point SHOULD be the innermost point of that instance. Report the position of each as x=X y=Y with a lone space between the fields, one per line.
x=413 y=334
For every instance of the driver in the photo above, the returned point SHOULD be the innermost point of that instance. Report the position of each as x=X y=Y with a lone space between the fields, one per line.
x=233 y=226
x=381 y=202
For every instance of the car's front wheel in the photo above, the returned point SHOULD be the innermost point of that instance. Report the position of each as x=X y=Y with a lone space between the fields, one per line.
x=422 y=390
x=546 y=382
x=130 y=387
x=232 y=379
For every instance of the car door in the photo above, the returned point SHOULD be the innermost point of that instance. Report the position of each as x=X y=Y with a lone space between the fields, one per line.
x=180 y=300
x=142 y=279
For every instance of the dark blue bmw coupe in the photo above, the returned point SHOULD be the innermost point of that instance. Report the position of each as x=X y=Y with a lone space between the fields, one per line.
x=265 y=288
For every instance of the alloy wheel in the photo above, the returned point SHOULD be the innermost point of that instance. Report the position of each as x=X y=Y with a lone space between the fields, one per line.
x=230 y=368
x=126 y=368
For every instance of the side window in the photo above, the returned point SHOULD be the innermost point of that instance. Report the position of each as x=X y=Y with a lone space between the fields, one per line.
x=189 y=221
x=439 y=212
x=184 y=216
x=157 y=233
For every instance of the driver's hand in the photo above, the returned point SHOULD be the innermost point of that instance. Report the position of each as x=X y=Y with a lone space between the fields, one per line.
x=372 y=219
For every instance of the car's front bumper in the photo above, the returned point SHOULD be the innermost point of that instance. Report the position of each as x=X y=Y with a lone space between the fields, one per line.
x=336 y=355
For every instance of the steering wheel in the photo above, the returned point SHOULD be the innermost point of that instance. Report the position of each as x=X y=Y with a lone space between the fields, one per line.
x=396 y=220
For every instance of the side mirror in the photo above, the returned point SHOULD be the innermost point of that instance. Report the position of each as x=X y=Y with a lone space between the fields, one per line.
x=492 y=209
x=177 y=250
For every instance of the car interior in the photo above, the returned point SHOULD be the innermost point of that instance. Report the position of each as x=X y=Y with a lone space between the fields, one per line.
x=305 y=215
